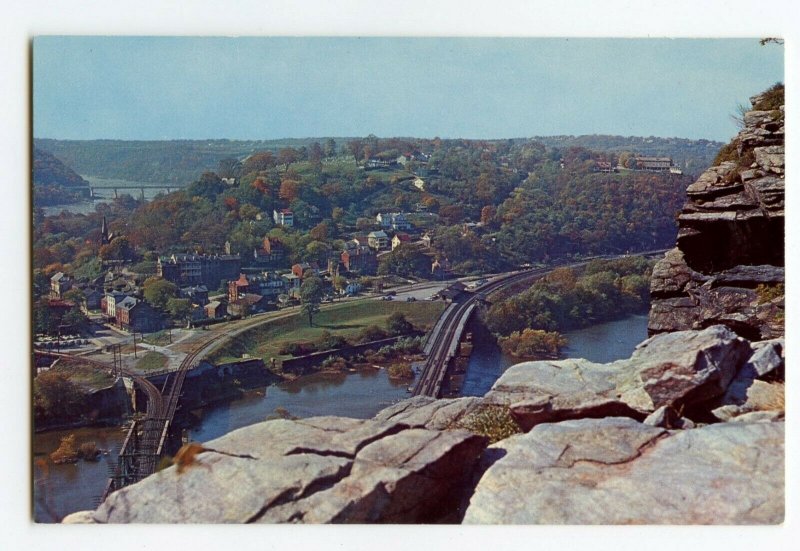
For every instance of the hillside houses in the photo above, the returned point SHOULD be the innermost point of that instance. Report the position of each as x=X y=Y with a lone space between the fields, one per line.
x=396 y=221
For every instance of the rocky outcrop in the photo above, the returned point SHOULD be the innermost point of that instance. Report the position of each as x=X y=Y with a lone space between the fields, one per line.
x=728 y=264
x=619 y=471
x=676 y=370
x=604 y=443
x=321 y=469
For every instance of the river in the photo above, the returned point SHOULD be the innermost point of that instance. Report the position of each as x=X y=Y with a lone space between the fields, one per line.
x=62 y=489
x=600 y=343
x=104 y=193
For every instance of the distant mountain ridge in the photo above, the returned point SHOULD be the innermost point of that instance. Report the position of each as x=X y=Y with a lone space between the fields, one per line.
x=183 y=161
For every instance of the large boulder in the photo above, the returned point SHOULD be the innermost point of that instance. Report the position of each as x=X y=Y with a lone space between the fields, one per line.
x=619 y=471
x=323 y=469
x=675 y=370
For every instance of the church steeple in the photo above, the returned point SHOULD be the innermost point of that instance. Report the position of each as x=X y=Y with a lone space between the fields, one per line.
x=104 y=237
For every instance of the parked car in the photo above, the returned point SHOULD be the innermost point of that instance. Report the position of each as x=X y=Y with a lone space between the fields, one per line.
x=411 y=299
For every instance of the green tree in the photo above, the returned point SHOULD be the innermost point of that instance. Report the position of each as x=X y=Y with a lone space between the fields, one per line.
x=158 y=291
x=330 y=147
x=179 y=308
x=56 y=397
x=119 y=249
x=397 y=324
x=311 y=293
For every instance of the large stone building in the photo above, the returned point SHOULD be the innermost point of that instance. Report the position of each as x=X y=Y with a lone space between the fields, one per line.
x=196 y=269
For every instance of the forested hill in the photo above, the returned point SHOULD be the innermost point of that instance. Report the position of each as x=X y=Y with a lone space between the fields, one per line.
x=183 y=161
x=174 y=161
x=693 y=156
x=54 y=182
x=50 y=171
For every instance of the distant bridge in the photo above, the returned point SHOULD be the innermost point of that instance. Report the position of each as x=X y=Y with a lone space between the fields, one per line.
x=93 y=190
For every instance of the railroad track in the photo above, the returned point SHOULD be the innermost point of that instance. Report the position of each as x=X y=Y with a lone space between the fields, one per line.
x=441 y=344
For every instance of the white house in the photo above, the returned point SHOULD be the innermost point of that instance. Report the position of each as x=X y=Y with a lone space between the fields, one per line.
x=283 y=217
x=378 y=239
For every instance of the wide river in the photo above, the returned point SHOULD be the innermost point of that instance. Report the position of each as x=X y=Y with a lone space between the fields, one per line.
x=62 y=489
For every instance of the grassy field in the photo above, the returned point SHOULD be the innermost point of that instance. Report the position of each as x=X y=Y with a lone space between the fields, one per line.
x=346 y=320
x=152 y=361
x=86 y=375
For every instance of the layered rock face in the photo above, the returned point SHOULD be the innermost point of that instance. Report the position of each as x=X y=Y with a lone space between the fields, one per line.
x=728 y=264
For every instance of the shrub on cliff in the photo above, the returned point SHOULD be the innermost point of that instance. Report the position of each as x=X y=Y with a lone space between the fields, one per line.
x=494 y=422
x=533 y=343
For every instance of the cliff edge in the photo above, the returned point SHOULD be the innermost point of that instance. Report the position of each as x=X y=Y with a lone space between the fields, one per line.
x=728 y=265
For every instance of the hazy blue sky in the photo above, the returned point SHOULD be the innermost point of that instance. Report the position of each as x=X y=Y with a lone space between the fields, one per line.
x=263 y=88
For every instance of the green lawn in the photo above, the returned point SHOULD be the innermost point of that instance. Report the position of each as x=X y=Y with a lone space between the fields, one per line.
x=152 y=361
x=345 y=319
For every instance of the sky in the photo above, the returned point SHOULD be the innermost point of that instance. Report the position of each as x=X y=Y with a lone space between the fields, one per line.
x=151 y=88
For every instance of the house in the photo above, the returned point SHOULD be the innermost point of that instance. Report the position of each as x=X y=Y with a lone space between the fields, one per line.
x=378 y=239
x=60 y=283
x=292 y=285
x=247 y=304
x=394 y=220
x=375 y=162
x=603 y=166
x=359 y=259
x=352 y=288
x=138 y=316
x=427 y=240
x=228 y=181
x=111 y=300
x=653 y=164
x=216 y=309
x=92 y=299
x=400 y=239
x=266 y=284
x=198 y=294
x=238 y=287
x=419 y=183
x=301 y=268
x=283 y=217
x=272 y=251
